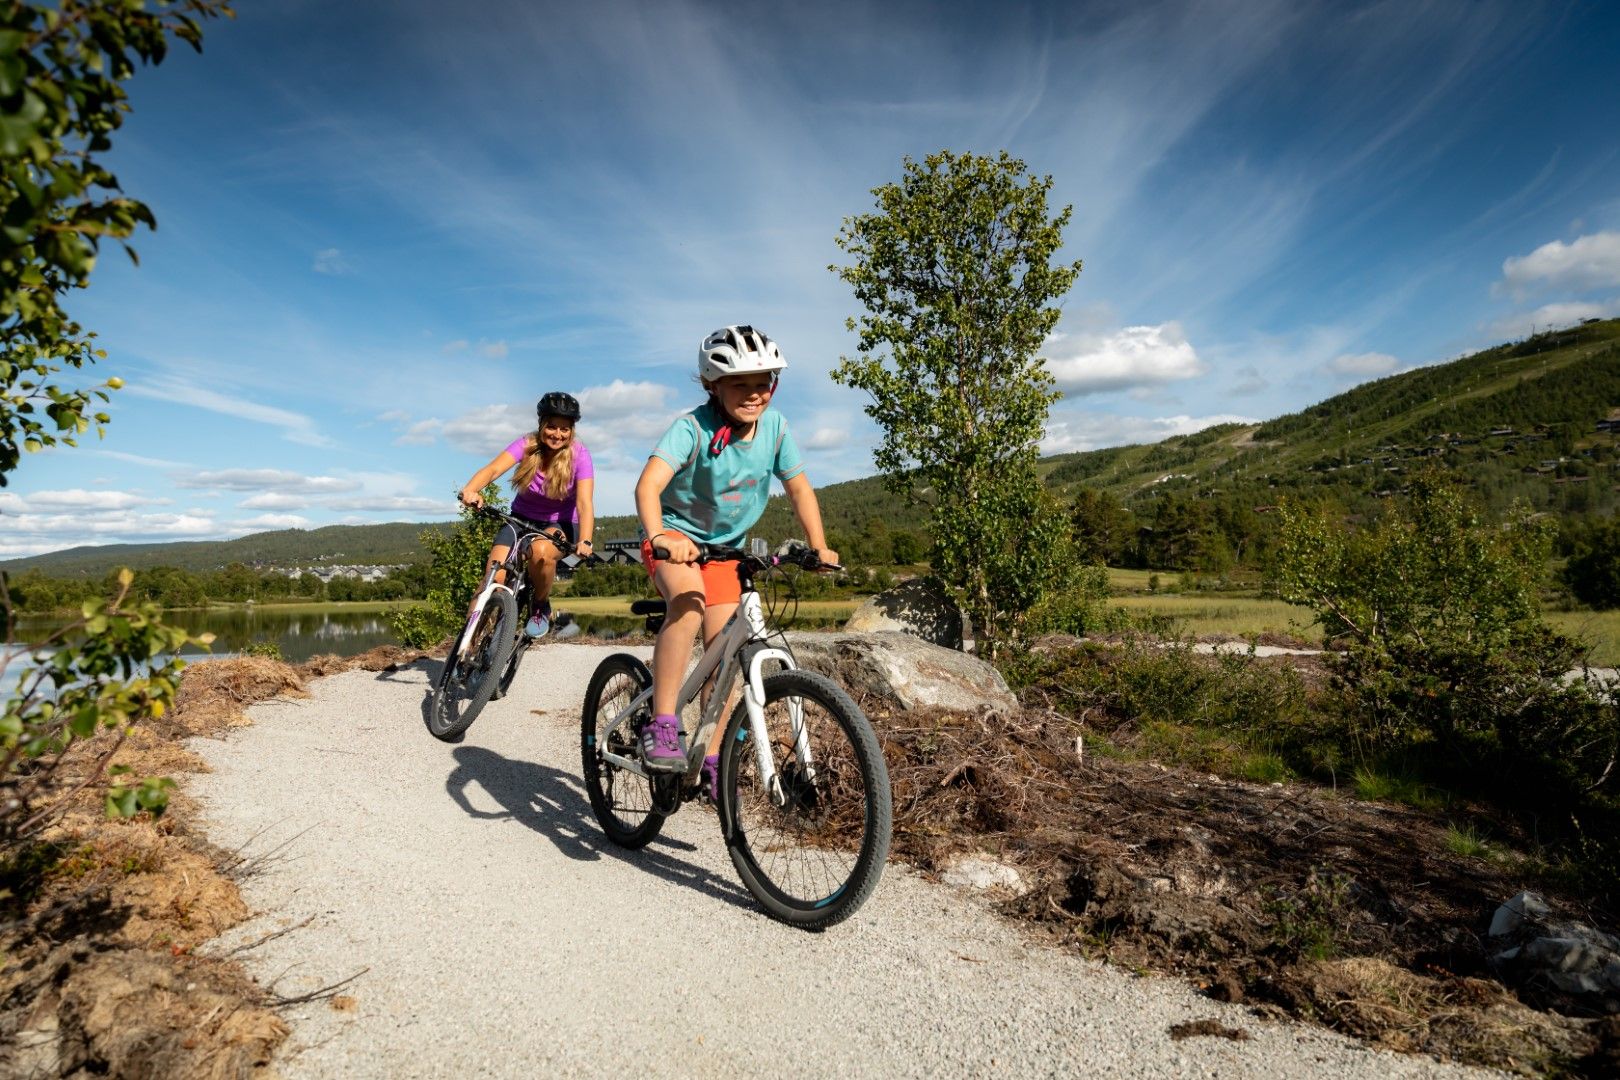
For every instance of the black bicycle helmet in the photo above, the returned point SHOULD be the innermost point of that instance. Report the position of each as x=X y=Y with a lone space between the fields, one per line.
x=557 y=403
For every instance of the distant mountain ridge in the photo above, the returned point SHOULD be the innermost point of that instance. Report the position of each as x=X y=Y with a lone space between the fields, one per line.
x=1521 y=421
x=385 y=544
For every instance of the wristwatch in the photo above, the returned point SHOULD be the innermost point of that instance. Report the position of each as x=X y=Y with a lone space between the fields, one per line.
x=588 y=544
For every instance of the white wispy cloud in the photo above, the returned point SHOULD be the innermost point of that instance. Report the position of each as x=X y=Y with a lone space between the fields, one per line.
x=139 y=459
x=1588 y=262
x=331 y=261
x=1554 y=317
x=494 y=350
x=1072 y=430
x=296 y=427
x=1134 y=356
x=413 y=504
x=268 y=480
x=1363 y=365
x=420 y=433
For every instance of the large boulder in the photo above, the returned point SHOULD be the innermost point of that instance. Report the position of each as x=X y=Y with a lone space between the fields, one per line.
x=904 y=670
x=920 y=607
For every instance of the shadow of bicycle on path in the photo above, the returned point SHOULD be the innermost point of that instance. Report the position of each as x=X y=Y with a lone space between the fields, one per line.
x=553 y=804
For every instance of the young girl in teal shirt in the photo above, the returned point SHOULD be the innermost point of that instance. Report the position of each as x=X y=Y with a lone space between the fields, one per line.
x=707 y=482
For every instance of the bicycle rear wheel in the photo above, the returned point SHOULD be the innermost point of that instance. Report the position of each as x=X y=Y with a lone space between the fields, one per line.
x=471 y=676
x=811 y=851
x=622 y=801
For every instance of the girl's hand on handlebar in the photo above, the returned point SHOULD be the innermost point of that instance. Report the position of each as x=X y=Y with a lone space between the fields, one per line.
x=677 y=546
x=474 y=499
x=828 y=556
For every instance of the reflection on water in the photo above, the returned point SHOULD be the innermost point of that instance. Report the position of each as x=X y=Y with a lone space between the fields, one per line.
x=299 y=634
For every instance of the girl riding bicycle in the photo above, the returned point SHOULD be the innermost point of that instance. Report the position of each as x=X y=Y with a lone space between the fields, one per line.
x=555 y=484
x=707 y=481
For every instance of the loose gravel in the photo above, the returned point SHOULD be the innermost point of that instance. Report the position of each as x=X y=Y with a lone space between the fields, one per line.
x=489 y=929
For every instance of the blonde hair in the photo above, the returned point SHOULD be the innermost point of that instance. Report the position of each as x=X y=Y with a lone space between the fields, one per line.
x=559 y=471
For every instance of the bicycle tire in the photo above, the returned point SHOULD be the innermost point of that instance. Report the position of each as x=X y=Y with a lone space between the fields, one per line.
x=812 y=859
x=622 y=801
x=471 y=676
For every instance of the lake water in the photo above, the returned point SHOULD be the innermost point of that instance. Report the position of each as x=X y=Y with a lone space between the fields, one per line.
x=346 y=632
x=299 y=634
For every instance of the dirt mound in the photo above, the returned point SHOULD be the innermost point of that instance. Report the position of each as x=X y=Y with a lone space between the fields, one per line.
x=1289 y=897
x=79 y=1010
x=381 y=658
x=213 y=694
x=100 y=917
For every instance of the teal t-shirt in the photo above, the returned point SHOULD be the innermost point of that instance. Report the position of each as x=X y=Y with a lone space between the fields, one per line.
x=716 y=498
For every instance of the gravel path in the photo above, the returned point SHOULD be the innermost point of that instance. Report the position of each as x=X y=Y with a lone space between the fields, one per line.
x=499 y=934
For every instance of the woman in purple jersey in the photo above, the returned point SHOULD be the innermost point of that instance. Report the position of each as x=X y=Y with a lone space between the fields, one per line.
x=554 y=483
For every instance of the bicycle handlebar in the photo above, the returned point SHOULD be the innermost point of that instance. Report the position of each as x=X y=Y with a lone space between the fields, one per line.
x=794 y=554
x=523 y=527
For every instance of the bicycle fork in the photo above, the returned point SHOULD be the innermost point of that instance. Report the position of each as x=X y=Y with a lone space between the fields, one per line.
x=754 y=703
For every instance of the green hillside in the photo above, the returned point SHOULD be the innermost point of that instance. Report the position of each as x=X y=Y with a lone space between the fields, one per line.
x=1520 y=421
x=395 y=542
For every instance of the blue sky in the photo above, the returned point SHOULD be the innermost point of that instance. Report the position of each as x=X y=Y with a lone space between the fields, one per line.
x=387 y=227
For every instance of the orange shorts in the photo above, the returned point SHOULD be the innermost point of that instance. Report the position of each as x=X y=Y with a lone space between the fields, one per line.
x=720 y=584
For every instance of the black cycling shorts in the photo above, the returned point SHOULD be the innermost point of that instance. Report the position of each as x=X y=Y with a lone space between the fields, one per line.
x=508 y=535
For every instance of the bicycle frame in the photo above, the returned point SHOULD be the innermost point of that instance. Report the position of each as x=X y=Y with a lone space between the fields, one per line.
x=736 y=645
x=515 y=563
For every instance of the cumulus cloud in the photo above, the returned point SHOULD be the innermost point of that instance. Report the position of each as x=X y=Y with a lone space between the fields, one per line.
x=421 y=433
x=825 y=439
x=33 y=533
x=271 y=500
x=1554 y=317
x=1066 y=433
x=269 y=480
x=1589 y=262
x=1134 y=356
x=1363 y=365
x=274 y=521
x=1249 y=381
x=79 y=499
x=331 y=261
x=488 y=429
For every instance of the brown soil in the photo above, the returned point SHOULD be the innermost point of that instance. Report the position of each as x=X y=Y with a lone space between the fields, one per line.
x=100 y=920
x=1290 y=898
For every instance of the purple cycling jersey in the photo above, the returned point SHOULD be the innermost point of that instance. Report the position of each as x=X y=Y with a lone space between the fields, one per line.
x=533 y=502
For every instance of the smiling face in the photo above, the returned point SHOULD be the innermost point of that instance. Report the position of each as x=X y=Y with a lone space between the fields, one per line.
x=556 y=433
x=744 y=397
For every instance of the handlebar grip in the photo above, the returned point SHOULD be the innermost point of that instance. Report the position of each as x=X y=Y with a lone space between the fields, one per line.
x=661 y=553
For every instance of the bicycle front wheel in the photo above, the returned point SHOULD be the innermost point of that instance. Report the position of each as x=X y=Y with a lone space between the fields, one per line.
x=472 y=675
x=621 y=800
x=811 y=845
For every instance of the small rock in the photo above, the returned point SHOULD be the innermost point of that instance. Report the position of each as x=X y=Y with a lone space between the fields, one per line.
x=1513 y=914
x=981 y=872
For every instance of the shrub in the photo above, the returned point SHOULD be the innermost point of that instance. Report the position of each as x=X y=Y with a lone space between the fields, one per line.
x=456 y=562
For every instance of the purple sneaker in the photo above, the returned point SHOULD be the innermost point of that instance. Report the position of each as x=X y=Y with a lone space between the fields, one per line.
x=709 y=780
x=661 y=744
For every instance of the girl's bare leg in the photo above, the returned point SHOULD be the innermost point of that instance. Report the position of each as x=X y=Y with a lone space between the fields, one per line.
x=497 y=555
x=682 y=587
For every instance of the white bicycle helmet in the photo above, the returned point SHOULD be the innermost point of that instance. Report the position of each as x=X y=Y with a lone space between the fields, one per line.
x=734 y=350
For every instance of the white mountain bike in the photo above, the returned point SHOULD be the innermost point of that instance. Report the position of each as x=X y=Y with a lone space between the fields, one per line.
x=485 y=658
x=804 y=803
